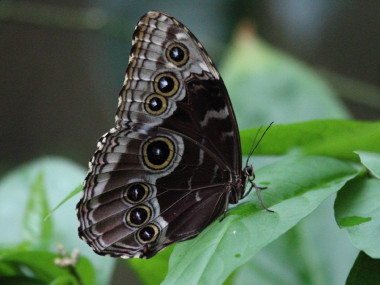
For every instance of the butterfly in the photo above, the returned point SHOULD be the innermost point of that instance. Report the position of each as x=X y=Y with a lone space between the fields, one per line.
x=173 y=162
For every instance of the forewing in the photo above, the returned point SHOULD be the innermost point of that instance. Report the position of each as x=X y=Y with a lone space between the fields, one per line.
x=200 y=107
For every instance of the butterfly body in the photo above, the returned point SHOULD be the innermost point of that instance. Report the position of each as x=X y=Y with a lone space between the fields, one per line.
x=172 y=164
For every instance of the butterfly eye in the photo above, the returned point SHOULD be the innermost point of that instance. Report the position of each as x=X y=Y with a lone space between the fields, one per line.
x=135 y=193
x=177 y=53
x=148 y=234
x=138 y=216
x=155 y=104
x=158 y=152
x=166 y=84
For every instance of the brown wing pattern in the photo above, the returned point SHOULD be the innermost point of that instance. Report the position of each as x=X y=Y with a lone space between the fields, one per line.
x=160 y=175
x=200 y=106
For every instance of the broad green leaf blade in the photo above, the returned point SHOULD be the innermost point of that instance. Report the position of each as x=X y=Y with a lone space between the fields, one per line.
x=86 y=271
x=267 y=85
x=40 y=264
x=357 y=211
x=297 y=185
x=152 y=271
x=64 y=280
x=20 y=280
x=72 y=194
x=8 y=269
x=313 y=252
x=366 y=271
x=37 y=232
x=371 y=161
x=61 y=176
x=335 y=138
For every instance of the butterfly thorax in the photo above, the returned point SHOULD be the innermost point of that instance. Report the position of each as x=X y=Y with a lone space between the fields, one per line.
x=237 y=186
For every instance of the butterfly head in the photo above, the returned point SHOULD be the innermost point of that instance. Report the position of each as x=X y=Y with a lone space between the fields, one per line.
x=249 y=173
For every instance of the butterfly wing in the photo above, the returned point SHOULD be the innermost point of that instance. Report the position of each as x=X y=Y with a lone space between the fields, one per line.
x=160 y=176
x=198 y=104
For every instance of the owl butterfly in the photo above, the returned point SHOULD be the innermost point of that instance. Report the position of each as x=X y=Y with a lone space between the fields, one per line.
x=173 y=162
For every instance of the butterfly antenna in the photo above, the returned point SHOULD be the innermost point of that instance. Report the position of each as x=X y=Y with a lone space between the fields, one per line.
x=254 y=146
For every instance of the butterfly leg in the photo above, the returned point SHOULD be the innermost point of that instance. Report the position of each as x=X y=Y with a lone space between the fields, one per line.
x=258 y=189
x=228 y=191
x=249 y=191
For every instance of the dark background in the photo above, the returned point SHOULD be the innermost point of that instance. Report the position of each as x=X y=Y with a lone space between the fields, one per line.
x=63 y=62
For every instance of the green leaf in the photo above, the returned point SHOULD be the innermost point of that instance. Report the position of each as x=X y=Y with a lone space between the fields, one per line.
x=297 y=185
x=86 y=271
x=313 y=252
x=365 y=271
x=360 y=199
x=371 y=161
x=267 y=85
x=61 y=176
x=334 y=138
x=36 y=231
x=279 y=262
x=20 y=280
x=64 y=280
x=353 y=221
x=40 y=264
x=152 y=271
x=72 y=194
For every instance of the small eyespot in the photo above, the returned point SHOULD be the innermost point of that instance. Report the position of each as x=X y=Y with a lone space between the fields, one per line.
x=138 y=216
x=155 y=104
x=148 y=234
x=177 y=54
x=166 y=84
x=135 y=193
x=158 y=152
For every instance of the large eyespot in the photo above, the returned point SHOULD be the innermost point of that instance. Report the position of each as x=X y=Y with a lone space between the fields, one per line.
x=148 y=234
x=135 y=193
x=177 y=53
x=155 y=104
x=158 y=152
x=138 y=216
x=166 y=84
